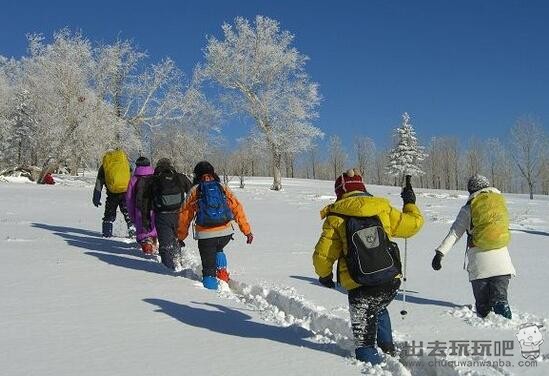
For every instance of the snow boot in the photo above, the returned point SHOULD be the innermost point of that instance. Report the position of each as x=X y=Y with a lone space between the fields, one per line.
x=147 y=246
x=503 y=309
x=368 y=355
x=388 y=348
x=107 y=229
x=221 y=265
x=210 y=282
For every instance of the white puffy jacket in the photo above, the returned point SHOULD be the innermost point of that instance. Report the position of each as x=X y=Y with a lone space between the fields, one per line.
x=481 y=264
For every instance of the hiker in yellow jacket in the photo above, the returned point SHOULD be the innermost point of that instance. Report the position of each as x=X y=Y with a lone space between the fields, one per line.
x=367 y=304
x=115 y=174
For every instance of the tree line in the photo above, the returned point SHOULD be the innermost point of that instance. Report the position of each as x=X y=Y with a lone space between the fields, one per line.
x=70 y=99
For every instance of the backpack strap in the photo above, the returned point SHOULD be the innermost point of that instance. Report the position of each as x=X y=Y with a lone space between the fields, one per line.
x=344 y=217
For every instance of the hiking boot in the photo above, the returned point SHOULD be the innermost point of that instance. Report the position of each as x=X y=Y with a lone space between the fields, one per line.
x=388 y=348
x=147 y=247
x=222 y=274
x=503 y=309
x=210 y=282
x=368 y=355
x=107 y=229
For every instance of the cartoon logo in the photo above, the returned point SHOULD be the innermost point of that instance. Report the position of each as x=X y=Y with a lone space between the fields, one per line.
x=530 y=340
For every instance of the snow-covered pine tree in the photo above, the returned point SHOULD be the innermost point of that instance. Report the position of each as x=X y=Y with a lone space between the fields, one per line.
x=406 y=156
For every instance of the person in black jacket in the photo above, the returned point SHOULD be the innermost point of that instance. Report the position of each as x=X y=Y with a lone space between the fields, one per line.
x=164 y=194
x=115 y=195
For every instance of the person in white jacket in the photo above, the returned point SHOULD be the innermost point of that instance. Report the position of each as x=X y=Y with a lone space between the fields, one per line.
x=489 y=269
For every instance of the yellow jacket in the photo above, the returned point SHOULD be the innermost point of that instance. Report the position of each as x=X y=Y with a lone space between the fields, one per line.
x=333 y=241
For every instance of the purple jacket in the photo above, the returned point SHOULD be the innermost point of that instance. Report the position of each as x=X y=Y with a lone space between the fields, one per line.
x=133 y=211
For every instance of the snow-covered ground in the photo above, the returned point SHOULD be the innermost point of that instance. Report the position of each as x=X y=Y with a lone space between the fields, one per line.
x=73 y=303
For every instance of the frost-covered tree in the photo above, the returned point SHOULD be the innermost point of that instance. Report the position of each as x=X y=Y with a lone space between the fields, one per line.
x=498 y=164
x=22 y=137
x=475 y=157
x=407 y=154
x=528 y=141
x=148 y=98
x=365 y=150
x=314 y=160
x=6 y=121
x=544 y=175
x=337 y=156
x=265 y=79
x=442 y=166
x=69 y=115
x=380 y=168
x=116 y=72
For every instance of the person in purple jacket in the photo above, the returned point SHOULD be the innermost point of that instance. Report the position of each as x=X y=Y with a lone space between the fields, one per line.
x=147 y=238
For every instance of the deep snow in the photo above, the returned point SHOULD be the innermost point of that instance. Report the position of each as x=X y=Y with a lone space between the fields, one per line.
x=74 y=303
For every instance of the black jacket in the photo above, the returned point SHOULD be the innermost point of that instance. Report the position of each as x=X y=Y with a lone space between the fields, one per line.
x=148 y=186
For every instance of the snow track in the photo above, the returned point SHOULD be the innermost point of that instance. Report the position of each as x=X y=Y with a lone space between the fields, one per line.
x=284 y=307
x=468 y=315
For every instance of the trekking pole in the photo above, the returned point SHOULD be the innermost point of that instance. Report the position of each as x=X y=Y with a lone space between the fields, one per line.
x=404 y=312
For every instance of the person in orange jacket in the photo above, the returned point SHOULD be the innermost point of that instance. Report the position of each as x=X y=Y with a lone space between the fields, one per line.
x=213 y=207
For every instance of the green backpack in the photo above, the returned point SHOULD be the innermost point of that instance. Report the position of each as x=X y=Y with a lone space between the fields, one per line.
x=117 y=171
x=489 y=221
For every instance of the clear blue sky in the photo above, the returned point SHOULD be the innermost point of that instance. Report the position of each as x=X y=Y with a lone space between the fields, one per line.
x=460 y=68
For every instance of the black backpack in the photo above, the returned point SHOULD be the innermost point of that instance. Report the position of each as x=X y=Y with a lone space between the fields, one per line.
x=372 y=259
x=168 y=192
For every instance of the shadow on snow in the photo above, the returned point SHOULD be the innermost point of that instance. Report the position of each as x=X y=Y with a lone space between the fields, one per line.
x=533 y=232
x=109 y=250
x=233 y=322
x=409 y=298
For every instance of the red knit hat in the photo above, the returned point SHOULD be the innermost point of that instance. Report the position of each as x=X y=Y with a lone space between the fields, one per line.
x=349 y=181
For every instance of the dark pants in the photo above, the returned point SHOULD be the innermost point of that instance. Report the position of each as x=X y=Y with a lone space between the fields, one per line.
x=208 y=249
x=489 y=292
x=113 y=202
x=366 y=306
x=166 y=227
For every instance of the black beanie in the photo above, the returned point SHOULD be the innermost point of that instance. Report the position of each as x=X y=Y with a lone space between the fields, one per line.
x=164 y=162
x=203 y=168
x=142 y=161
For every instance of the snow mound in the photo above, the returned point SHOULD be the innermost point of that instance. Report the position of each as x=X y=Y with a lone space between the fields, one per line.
x=16 y=180
x=469 y=315
x=447 y=196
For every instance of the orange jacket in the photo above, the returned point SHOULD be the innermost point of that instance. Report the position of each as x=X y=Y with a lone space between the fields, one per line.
x=190 y=208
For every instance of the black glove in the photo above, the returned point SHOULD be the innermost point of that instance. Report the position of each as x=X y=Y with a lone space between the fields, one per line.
x=327 y=281
x=408 y=195
x=96 y=198
x=436 y=261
